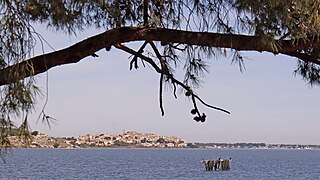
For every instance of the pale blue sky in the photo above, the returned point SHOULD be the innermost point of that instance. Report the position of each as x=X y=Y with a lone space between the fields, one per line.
x=100 y=95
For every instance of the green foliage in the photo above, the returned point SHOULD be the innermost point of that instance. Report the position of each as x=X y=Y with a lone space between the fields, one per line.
x=296 y=20
x=309 y=72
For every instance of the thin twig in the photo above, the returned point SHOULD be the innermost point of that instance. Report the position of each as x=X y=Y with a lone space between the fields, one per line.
x=195 y=104
x=135 y=58
x=160 y=94
x=213 y=107
x=141 y=56
x=164 y=66
x=197 y=97
x=174 y=90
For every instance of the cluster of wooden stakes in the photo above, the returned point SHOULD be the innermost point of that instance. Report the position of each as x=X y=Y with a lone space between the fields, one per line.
x=219 y=164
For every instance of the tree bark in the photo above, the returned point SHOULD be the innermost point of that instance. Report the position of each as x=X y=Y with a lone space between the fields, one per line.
x=89 y=46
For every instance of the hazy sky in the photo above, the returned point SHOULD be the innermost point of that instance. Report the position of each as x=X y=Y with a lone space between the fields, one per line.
x=100 y=95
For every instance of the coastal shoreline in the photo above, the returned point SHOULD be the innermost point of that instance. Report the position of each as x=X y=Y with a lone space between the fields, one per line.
x=138 y=140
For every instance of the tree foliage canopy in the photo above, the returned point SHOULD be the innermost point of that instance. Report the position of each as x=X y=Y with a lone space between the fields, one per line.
x=171 y=32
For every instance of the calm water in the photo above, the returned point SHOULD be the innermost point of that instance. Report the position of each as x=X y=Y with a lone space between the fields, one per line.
x=158 y=164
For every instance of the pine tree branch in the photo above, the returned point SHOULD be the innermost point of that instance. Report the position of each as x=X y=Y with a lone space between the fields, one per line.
x=85 y=48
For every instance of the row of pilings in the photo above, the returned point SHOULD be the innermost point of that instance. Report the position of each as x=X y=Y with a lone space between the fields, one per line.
x=219 y=164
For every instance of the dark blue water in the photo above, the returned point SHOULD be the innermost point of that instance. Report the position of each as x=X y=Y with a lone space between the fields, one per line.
x=158 y=164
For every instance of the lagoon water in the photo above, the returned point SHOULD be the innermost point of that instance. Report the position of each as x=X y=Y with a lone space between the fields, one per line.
x=158 y=164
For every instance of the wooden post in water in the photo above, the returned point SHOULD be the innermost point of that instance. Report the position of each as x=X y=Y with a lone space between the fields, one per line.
x=208 y=164
x=220 y=164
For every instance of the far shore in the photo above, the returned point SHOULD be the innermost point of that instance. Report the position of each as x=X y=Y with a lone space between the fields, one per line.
x=138 y=140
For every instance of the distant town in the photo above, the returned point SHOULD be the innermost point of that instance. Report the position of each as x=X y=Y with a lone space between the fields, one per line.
x=126 y=139
x=132 y=139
